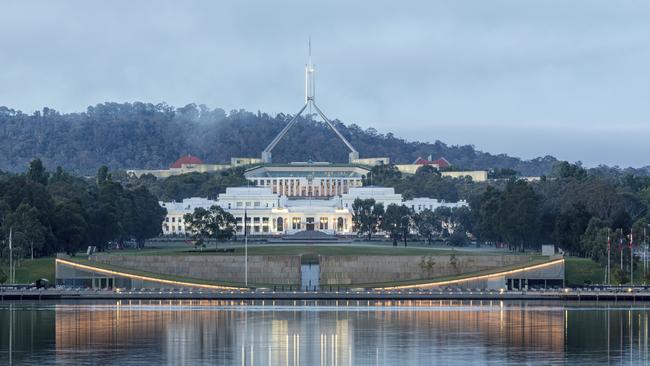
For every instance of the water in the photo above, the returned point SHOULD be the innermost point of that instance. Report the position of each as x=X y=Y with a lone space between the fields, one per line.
x=322 y=333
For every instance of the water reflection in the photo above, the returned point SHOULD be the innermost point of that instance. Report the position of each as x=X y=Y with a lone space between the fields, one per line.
x=322 y=333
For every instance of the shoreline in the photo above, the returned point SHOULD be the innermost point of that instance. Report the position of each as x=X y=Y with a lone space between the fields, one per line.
x=167 y=294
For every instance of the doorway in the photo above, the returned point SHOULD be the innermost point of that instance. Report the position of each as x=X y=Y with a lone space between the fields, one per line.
x=310 y=224
x=310 y=276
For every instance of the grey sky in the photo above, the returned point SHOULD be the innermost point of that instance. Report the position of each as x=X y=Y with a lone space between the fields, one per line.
x=527 y=78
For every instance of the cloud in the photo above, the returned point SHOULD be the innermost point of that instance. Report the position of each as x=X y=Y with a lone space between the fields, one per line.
x=506 y=76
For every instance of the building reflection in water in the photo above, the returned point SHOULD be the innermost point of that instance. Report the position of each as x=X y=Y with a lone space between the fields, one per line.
x=343 y=333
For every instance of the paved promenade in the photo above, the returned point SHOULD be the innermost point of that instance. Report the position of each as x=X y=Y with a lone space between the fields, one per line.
x=608 y=294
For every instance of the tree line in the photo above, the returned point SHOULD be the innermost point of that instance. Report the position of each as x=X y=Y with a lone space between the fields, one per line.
x=575 y=208
x=152 y=136
x=50 y=212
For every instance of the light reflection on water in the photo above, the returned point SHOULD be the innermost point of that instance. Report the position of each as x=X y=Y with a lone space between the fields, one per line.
x=322 y=333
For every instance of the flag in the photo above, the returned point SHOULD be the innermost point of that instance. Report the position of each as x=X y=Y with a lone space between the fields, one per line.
x=620 y=244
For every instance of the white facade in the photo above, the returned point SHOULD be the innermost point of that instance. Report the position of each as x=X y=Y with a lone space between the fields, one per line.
x=310 y=180
x=383 y=195
x=174 y=223
x=421 y=204
x=269 y=213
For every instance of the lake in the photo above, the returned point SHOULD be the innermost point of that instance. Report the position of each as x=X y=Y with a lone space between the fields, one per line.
x=322 y=333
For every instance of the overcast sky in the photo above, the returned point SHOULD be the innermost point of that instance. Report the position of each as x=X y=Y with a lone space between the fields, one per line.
x=526 y=78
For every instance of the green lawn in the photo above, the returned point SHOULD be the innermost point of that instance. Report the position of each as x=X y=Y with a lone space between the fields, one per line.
x=299 y=249
x=580 y=271
x=29 y=270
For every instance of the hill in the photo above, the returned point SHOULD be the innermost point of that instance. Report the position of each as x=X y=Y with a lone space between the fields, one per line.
x=150 y=136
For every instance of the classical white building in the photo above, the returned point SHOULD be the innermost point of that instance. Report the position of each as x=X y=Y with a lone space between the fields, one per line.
x=270 y=213
x=308 y=180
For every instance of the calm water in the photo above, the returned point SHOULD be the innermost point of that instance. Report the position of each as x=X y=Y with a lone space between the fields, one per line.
x=321 y=333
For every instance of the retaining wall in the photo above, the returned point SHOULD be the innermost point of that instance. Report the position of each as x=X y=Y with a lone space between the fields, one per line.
x=347 y=270
x=334 y=270
x=279 y=270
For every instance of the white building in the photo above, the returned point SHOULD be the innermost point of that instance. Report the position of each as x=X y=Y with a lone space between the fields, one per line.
x=270 y=213
x=174 y=223
x=317 y=180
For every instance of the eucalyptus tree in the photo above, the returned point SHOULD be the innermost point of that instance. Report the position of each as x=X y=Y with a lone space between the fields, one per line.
x=214 y=223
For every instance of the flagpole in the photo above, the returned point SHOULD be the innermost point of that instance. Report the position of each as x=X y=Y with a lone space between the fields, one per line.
x=620 y=248
x=609 y=279
x=631 y=257
x=245 y=248
x=11 y=258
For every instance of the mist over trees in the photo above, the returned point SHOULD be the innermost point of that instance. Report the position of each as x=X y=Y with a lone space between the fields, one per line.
x=152 y=136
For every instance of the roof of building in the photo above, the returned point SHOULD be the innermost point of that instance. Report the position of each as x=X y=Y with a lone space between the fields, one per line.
x=440 y=162
x=188 y=159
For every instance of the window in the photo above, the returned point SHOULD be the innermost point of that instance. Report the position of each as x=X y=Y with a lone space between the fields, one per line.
x=248 y=204
x=256 y=204
x=339 y=224
x=256 y=220
x=173 y=219
x=239 y=204
x=324 y=223
x=229 y=206
x=167 y=219
x=295 y=223
x=280 y=223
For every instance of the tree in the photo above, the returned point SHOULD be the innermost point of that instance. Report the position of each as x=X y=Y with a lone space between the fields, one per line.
x=397 y=222
x=27 y=229
x=69 y=226
x=458 y=238
x=213 y=223
x=427 y=224
x=148 y=216
x=570 y=225
x=367 y=216
x=519 y=214
x=199 y=222
x=488 y=213
x=593 y=243
x=37 y=173
x=102 y=175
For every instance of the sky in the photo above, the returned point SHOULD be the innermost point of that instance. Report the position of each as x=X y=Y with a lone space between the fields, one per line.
x=526 y=78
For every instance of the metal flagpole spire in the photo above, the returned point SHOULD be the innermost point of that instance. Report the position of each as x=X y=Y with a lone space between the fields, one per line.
x=310 y=101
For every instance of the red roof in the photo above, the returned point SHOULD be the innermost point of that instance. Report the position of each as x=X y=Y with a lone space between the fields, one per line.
x=441 y=162
x=188 y=159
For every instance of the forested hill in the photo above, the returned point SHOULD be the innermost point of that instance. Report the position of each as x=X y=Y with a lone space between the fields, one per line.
x=142 y=135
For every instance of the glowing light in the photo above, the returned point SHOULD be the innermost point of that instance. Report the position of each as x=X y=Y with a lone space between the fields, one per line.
x=144 y=278
x=475 y=278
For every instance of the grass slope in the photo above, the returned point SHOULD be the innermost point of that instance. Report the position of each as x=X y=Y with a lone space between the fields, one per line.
x=29 y=270
x=580 y=271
